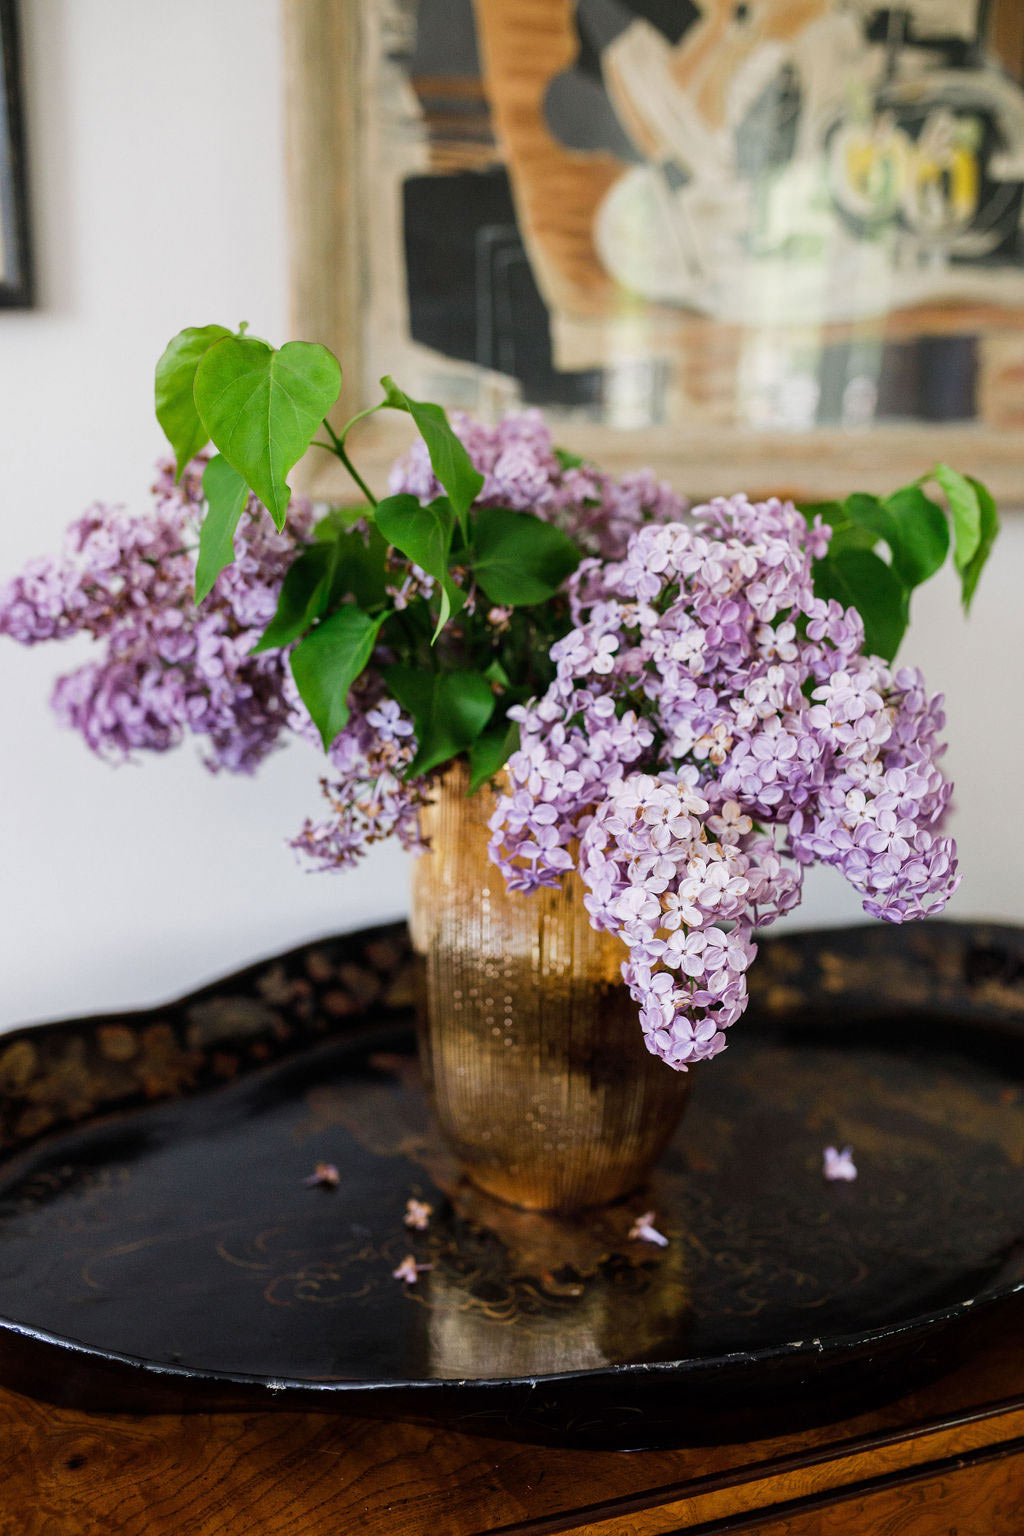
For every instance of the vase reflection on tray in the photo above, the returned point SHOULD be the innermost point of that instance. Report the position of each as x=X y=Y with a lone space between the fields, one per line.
x=562 y=1302
x=512 y=1292
x=537 y=1068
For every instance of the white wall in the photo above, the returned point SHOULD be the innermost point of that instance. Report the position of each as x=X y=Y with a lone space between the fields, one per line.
x=156 y=143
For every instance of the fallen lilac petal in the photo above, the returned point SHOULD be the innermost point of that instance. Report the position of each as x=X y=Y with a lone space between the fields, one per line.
x=326 y=1175
x=418 y=1214
x=409 y=1270
x=839 y=1165
x=643 y=1230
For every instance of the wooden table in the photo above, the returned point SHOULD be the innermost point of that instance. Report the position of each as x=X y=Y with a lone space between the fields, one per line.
x=948 y=1460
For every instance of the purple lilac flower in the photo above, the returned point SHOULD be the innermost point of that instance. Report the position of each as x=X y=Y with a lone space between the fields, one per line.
x=712 y=729
x=168 y=669
x=409 y=1271
x=417 y=1214
x=368 y=796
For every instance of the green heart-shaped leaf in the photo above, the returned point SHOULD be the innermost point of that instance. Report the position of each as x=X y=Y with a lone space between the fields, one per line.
x=846 y=534
x=966 y=513
x=302 y=599
x=868 y=513
x=989 y=529
x=424 y=536
x=327 y=663
x=338 y=520
x=860 y=579
x=490 y=752
x=262 y=408
x=520 y=560
x=175 y=380
x=226 y=494
x=449 y=710
x=360 y=570
x=448 y=457
x=921 y=532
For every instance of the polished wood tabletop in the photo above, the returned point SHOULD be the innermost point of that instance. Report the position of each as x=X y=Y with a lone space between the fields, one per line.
x=946 y=1460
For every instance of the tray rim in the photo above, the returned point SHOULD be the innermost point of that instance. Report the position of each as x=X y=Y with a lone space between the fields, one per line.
x=837 y=1345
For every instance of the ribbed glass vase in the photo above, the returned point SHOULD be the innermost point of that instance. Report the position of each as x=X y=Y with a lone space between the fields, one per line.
x=530 y=1043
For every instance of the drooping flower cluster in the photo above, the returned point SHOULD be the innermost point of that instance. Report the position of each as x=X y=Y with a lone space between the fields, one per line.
x=712 y=728
x=168 y=669
x=523 y=471
x=368 y=796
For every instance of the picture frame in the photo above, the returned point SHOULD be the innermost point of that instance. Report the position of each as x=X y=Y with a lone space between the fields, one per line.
x=350 y=190
x=16 y=288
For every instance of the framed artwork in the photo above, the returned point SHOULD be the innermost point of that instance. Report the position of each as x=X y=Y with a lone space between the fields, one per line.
x=15 y=273
x=759 y=244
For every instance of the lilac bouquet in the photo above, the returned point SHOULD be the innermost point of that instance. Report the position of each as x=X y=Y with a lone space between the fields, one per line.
x=686 y=705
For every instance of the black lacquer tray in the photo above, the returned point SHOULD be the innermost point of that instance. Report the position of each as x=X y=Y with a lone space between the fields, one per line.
x=160 y=1250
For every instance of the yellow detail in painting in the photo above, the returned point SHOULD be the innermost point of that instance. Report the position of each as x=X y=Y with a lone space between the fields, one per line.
x=878 y=172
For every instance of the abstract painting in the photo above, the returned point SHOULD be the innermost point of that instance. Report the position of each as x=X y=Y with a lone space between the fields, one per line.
x=777 y=228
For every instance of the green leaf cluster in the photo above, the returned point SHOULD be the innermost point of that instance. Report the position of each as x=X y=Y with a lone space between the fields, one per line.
x=882 y=548
x=262 y=408
x=453 y=683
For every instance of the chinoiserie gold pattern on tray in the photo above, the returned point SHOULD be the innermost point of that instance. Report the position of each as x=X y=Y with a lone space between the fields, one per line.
x=165 y=1155
x=530 y=1042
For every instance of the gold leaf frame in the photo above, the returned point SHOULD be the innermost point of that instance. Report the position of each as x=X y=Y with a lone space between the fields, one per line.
x=328 y=101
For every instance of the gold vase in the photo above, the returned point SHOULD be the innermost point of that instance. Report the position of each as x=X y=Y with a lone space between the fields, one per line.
x=530 y=1043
